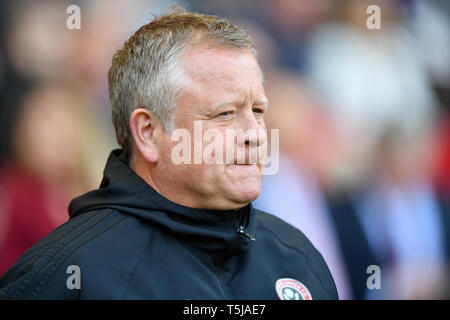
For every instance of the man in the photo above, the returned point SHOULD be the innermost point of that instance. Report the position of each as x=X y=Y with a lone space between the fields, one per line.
x=159 y=229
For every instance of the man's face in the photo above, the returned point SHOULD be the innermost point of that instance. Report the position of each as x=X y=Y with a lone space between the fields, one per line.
x=224 y=93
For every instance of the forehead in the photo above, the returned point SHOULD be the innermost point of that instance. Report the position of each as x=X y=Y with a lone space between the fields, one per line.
x=201 y=61
x=222 y=71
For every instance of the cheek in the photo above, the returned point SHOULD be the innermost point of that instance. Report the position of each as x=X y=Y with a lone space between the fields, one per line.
x=178 y=160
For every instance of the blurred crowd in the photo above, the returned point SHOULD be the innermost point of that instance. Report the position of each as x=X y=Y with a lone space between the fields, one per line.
x=364 y=119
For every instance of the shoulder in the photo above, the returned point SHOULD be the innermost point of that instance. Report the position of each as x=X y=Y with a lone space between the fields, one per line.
x=283 y=231
x=42 y=271
x=289 y=237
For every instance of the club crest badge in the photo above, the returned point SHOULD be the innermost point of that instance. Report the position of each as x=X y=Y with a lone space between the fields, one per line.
x=291 y=289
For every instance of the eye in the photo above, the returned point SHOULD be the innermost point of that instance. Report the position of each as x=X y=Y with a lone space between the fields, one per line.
x=258 y=110
x=226 y=113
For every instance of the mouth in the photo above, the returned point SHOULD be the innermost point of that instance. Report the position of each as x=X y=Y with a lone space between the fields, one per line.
x=244 y=169
x=247 y=160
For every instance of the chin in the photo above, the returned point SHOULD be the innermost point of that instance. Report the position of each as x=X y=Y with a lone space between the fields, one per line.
x=245 y=193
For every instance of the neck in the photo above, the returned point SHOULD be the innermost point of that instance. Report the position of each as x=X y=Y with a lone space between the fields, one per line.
x=144 y=170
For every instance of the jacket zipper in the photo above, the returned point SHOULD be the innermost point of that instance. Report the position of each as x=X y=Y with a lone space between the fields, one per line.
x=222 y=282
x=241 y=231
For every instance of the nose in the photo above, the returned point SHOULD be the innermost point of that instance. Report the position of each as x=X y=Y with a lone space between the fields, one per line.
x=252 y=130
x=249 y=137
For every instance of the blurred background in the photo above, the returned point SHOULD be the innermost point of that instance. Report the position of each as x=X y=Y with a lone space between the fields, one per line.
x=364 y=119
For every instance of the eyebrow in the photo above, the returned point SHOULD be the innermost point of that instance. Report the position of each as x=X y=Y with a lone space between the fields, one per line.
x=263 y=101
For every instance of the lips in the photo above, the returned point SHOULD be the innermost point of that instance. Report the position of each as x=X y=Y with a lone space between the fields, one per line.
x=244 y=169
x=248 y=156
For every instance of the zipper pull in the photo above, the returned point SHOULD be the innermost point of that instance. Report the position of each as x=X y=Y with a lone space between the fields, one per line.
x=241 y=230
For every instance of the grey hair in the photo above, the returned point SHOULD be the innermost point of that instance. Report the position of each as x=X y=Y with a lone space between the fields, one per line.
x=147 y=71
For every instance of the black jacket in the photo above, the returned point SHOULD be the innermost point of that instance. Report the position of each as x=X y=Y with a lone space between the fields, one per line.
x=129 y=242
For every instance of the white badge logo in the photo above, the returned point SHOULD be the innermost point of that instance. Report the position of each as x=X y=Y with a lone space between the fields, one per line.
x=291 y=289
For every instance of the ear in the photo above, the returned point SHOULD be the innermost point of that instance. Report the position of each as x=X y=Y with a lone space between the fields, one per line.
x=144 y=127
